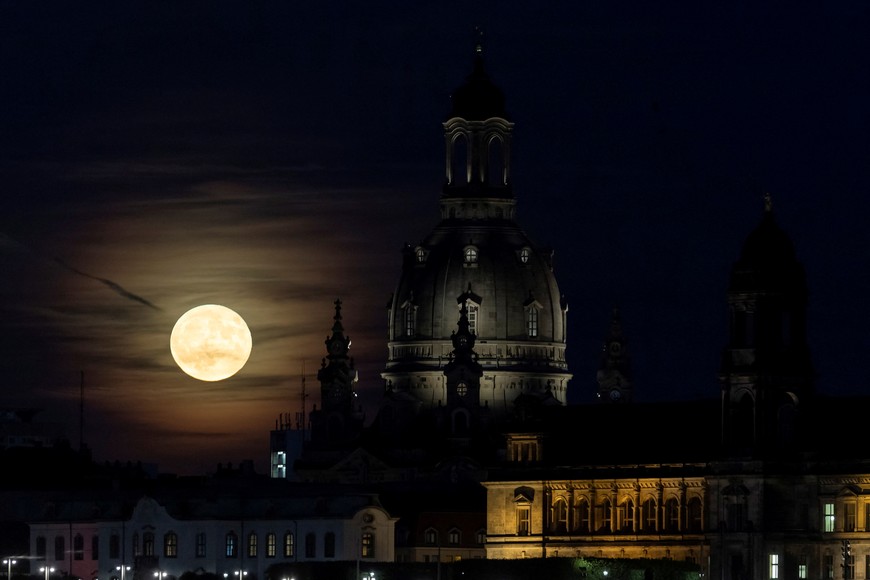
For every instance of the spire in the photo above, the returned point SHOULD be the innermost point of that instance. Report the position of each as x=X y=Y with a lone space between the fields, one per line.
x=338 y=344
x=768 y=202
x=478 y=40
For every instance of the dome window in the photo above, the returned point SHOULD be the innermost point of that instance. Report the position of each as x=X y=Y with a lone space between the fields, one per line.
x=409 y=317
x=420 y=255
x=524 y=255
x=470 y=257
x=533 y=309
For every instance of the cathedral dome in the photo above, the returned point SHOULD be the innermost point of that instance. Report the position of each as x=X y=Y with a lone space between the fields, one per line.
x=479 y=256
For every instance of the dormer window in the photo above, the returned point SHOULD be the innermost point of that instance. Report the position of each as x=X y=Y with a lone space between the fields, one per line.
x=524 y=255
x=469 y=257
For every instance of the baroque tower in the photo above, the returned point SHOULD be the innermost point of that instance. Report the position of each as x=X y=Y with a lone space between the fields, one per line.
x=478 y=258
x=766 y=373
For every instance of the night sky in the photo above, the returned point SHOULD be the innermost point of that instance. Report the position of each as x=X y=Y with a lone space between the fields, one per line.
x=274 y=156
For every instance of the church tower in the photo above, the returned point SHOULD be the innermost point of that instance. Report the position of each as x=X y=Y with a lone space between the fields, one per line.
x=614 y=371
x=766 y=373
x=478 y=258
x=337 y=421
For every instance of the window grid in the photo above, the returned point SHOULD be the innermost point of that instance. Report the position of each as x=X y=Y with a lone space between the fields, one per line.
x=232 y=546
x=829 y=517
x=200 y=545
x=532 y=322
x=170 y=545
x=271 y=545
x=774 y=566
x=368 y=545
x=252 y=545
x=288 y=545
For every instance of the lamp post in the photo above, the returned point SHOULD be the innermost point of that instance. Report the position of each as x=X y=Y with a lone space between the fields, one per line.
x=160 y=574
x=240 y=573
x=124 y=570
x=8 y=562
x=46 y=570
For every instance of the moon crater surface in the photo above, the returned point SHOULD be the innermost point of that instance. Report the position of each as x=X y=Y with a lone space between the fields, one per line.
x=210 y=342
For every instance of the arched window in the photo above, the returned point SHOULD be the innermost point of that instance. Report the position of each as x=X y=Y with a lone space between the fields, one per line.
x=532 y=321
x=459 y=160
x=420 y=255
x=252 y=545
x=648 y=519
x=114 y=546
x=559 y=516
x=581 y=516
x=431 y=536
x=271 y=545
x=59 y=549
x=78 y=547
x=231 y=545
x=148 y=544
x=137 y=551
x=40 y=547
x=606 y=516
x=368 y=545
x=495 y=162
x=310 y=545
x=672 y=515
x=288 y=544
x=626 y=516
x=170 y=545
x=329 y=545
x=473 y=312
x=694 y=518
x=200 y=544
x=410 y=320
x=454 y=536
x=480 y=536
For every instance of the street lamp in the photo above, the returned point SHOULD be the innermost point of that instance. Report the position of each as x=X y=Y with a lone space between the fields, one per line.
x=240 y=573
x=8 y=562
x=160 y=574
x=47 y=571
x=123 y=569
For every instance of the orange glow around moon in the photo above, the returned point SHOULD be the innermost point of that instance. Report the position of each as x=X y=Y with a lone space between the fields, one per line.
x=210 y=342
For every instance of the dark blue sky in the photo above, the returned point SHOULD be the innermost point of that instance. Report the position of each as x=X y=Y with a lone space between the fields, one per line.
x=271 y=156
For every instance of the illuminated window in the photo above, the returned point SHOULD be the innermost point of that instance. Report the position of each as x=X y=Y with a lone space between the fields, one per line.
x=524 y=522
x=232 y=546
x=532 y=321
x=420 y=255
x=802 y=571
x=829 y=517
x=78 y=547
x=329 y=545
x=288 y=545
x=170 y=545
x=469 y=256
x=431 y=536
x=200 y=545
x=271 y=545
x=252 y=545
x=525 y=253
x=774 y=566
x=368 y=545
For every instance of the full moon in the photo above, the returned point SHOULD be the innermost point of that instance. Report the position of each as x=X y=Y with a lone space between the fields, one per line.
x=210 y=342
